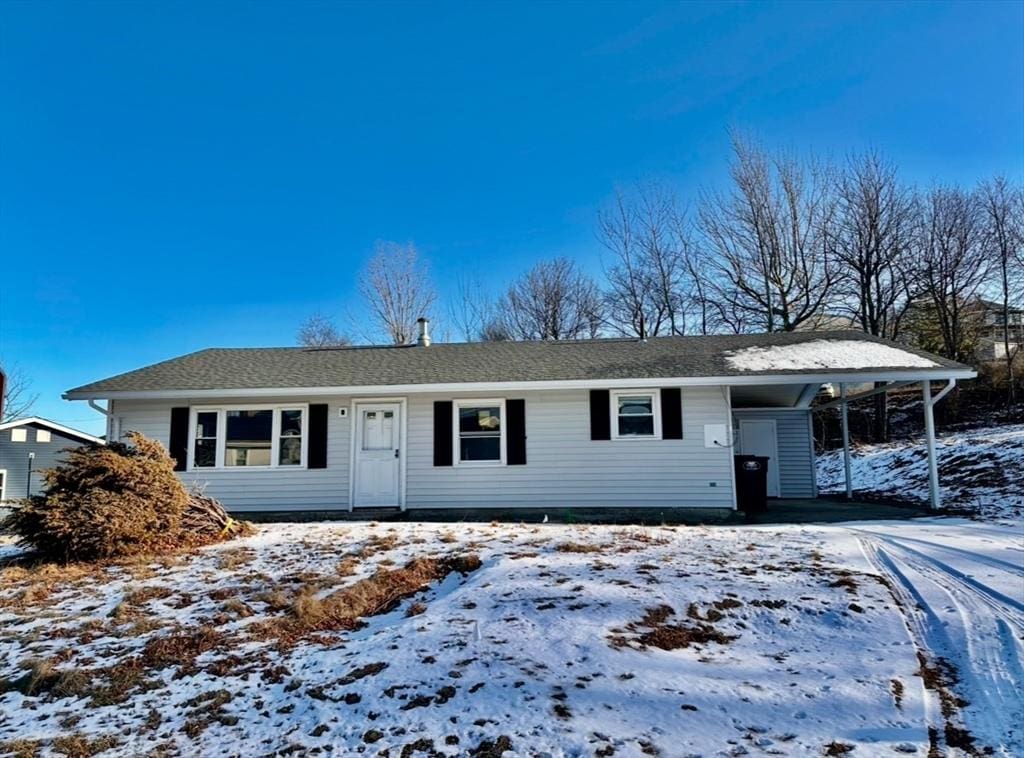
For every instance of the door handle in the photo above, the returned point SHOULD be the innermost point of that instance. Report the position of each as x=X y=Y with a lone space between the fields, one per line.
x=396 y=452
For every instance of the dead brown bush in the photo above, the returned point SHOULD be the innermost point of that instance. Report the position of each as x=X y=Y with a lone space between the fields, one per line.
x=104 y=501
x=116 y=500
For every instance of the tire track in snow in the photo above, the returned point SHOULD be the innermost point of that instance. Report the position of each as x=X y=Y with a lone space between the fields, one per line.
x=995 y=563
x=946 y=574
x=986 y=651
x=907 y=599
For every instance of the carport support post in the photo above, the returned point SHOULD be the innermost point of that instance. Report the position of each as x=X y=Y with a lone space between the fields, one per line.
x=846 y=441
x=934 y=497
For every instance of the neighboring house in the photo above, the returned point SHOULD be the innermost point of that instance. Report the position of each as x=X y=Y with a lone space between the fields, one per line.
x=982 y=322
x=27 y=447
x=824 y=322
x=574 y=424
x=991 y=342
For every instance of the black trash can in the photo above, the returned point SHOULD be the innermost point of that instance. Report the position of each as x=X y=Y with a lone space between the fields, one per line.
x=751 y=483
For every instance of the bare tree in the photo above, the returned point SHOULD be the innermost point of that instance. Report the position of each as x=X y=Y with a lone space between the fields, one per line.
x=1003 y=219
x=951 y=267
x=474 y=310
x=875 y=224
x=18 y=395
x=767 y=241
x=397 y=290
x=645 y=233
x=319 y=331
x=552 y=301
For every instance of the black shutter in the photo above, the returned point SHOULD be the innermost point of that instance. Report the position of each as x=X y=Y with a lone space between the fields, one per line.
x=316 y=456
x=671 y=413
x=600 y=415
x=178 y=446
x=516 y=426
x=443 y=433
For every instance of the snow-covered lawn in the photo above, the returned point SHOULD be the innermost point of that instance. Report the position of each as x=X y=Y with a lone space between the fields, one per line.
x=568 y=640
x=981 y=470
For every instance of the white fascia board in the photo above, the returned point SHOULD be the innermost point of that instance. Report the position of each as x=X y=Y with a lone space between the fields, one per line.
x=937 y=373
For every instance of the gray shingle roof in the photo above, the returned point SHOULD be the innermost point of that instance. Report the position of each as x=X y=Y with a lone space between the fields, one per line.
x=295 y=367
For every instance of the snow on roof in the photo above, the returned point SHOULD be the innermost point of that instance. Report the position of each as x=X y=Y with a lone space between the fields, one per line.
x=825 y=354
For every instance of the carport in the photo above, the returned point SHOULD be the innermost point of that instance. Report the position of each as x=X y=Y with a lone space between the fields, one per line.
x=775 y=399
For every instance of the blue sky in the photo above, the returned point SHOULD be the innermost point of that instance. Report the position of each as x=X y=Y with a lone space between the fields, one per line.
x=175 y=176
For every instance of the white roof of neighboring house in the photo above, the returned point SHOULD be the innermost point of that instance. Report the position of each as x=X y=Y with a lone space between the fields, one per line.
x=51 y=425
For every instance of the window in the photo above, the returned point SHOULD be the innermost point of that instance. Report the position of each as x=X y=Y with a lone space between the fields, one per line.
x=42 y=435
x=635 y=415
x=248 y=437
x=19 y=435
x=3 y=485
x=481 y=433
x=205 y=455
x=290 y=439
x=378 y=430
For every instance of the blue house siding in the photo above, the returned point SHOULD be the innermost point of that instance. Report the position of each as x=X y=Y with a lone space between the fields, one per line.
x=14 y=458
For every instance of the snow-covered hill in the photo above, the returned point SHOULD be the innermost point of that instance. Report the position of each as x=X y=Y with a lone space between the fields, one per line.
x=981 y=470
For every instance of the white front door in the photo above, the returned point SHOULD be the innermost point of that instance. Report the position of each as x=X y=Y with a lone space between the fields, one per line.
x=378 y=455
x=757 y=437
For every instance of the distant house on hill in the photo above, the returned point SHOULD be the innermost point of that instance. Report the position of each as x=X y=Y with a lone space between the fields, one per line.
x=991 y=345
x=826 y=322
x=29 y=445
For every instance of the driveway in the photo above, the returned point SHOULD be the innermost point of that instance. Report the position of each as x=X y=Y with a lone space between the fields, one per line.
x=960 y=587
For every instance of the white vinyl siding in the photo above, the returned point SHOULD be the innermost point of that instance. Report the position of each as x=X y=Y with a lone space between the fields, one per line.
x=280 y=488
x=566 y=469
x=796 y=449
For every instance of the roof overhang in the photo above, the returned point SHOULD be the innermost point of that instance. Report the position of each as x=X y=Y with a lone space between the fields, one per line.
x=938 y=373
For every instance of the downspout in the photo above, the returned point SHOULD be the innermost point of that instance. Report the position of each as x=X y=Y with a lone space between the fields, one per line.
x=106 y=412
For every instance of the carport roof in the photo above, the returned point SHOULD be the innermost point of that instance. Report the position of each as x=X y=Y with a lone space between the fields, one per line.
x=786 y=356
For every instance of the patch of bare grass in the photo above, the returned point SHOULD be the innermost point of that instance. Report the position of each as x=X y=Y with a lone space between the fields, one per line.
x=142 y=595
x=181 y=647
x=578 y=547
x=376 y=594
x=206 y=709
x=275 y=600
x=653 y=630
x=43 y=678
x=21 y=748
x=237 y=607
x=838 y=748
x=347 y=566
x=80 y=746
x=228 y=560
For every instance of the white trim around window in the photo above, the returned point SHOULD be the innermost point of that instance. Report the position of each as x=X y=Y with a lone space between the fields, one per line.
x=3 y=484
x=221 y=436
x=655 y=397
x=473 y=402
